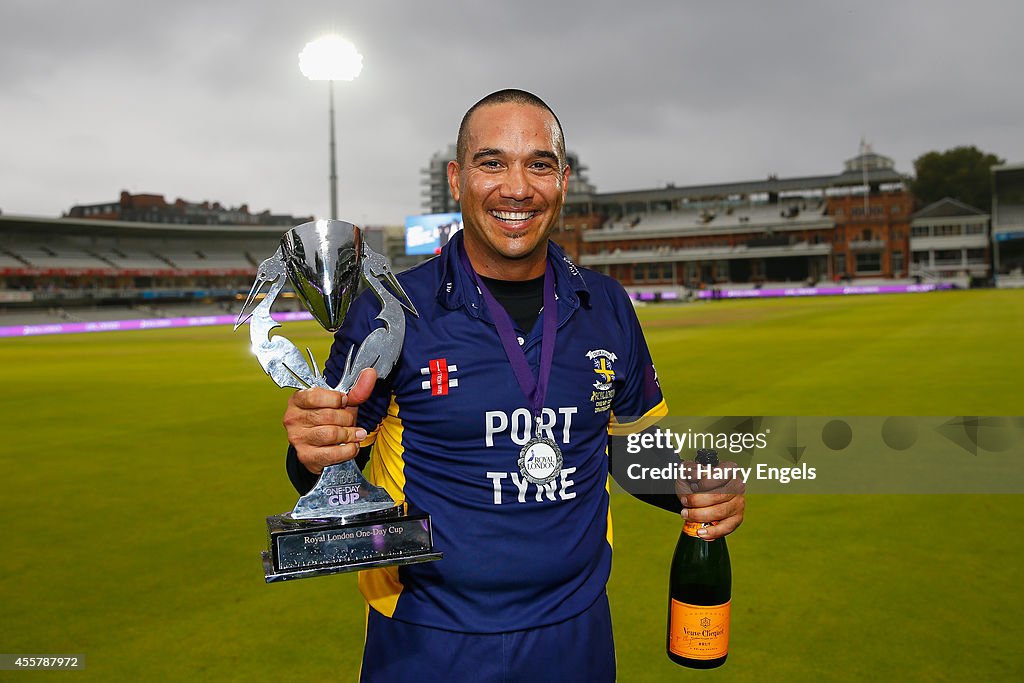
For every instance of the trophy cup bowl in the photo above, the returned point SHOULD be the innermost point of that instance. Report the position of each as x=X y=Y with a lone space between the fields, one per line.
x=344 y=523
x=323 y=261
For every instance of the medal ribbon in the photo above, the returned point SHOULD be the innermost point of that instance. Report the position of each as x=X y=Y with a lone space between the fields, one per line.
x=534 y=390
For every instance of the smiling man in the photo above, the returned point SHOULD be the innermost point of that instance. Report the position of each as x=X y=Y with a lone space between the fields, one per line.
x=495 y=421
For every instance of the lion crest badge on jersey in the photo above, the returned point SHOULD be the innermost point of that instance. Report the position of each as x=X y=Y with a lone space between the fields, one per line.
x=604 y=378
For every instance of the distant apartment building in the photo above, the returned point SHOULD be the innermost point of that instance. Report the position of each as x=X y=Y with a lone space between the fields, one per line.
x=435 y=195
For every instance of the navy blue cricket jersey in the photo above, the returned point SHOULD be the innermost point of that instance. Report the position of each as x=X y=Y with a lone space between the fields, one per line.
x=447 y=428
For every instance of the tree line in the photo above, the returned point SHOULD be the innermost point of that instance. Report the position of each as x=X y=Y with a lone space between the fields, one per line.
x=962 y=173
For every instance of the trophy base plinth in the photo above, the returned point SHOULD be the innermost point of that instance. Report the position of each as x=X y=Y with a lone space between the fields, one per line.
x=301 y=549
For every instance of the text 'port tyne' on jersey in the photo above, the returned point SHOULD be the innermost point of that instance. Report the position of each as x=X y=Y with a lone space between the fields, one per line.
x=519 y=427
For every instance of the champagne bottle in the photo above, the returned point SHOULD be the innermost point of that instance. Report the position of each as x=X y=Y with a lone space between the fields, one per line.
x=700 y=591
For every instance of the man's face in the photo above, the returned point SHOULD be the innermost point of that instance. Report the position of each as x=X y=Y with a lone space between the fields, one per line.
x=511 y=188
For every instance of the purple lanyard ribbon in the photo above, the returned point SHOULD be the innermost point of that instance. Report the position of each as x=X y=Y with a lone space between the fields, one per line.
x=534 y=390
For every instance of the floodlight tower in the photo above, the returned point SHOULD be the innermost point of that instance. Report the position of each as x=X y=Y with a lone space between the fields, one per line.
x=331 y=58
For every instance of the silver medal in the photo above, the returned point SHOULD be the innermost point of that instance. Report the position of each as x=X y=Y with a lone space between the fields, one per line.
x=540 y=461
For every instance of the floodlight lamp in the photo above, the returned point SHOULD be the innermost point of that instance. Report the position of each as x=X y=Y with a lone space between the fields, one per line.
x=330 y=58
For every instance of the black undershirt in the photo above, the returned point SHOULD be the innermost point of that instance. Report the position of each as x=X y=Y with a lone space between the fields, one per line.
x=523 y=300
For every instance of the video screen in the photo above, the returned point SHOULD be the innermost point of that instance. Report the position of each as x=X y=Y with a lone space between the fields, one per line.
x=426 y=234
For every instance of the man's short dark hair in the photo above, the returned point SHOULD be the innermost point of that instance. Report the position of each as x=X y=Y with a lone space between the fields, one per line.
x=514 y=96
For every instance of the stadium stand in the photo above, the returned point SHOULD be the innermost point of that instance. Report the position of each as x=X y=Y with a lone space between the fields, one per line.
x=828 y=228
x=726 y=218
x=73 y=270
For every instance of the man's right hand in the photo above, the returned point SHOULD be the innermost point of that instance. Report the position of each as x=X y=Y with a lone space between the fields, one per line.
x=321 y=423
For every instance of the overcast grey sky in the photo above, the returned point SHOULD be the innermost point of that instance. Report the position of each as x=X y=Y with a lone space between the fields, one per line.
x=204 y=99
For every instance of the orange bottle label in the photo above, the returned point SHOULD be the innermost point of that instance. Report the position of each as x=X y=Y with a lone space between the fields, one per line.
x=699 y=631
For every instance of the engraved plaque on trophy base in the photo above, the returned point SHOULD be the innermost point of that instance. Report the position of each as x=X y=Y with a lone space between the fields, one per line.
x=313 y=547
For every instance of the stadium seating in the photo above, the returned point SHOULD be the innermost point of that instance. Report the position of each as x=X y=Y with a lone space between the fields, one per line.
x=711 y=252
x=133 y=260
x=8 y=261
x=181 y=255
x=209 y=257
x=724 y=217
x=60 y=258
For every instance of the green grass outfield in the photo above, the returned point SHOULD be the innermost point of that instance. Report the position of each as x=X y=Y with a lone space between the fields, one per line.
x=137 y=469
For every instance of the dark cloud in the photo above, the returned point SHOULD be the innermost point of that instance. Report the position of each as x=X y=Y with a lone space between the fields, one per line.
x=204 y=99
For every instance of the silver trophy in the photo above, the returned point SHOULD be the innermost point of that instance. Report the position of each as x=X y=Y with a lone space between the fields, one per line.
x=344 y=523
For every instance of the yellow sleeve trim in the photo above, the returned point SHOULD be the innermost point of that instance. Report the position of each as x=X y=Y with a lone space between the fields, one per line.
x=381 y=587
x=608 y=521
x=616 y=428
x=371 y=438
